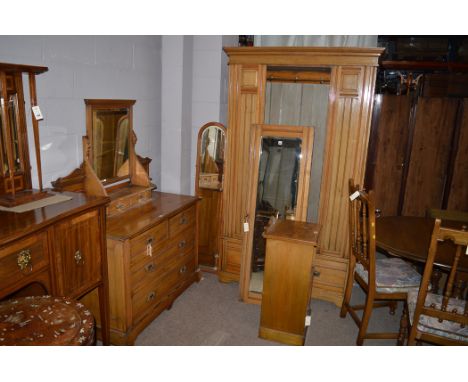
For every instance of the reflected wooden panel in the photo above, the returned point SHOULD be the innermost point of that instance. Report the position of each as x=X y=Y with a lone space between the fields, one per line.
x=109 y=127
x=209 y=186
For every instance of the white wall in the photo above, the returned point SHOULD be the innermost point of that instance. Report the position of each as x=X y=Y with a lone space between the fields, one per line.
x=179 y=83
x=194 y=88
x=209 y=92
x=119 y=67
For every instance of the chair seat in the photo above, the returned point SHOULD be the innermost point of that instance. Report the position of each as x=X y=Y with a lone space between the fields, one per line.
x=392 y=275
x=427 y=324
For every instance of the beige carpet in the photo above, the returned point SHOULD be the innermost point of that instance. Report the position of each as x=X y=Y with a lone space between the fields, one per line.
x=210 y=313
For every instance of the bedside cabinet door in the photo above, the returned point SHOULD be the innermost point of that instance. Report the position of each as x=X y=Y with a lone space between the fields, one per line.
x=78 y=253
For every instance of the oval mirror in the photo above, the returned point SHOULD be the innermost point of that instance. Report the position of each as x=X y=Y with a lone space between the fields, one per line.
x=209 y=186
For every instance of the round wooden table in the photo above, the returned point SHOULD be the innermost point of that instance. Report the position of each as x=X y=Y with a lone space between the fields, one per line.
x=409 y=237
x=45 y=320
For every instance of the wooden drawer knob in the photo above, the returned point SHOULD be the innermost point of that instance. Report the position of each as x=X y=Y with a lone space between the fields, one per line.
x=24 y=260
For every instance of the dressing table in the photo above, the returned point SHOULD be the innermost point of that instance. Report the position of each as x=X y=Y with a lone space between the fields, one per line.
x=151 y=237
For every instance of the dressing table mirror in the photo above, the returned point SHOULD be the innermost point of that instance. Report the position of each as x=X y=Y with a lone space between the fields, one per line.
x=15 y=168
x=279 y=183
x=110 y=165
x=209 y=187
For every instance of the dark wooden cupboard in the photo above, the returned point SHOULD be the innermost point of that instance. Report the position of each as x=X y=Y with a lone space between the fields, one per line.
x=418 y=156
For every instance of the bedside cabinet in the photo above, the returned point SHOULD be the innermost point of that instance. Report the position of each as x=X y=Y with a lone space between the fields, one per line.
x=287 y=283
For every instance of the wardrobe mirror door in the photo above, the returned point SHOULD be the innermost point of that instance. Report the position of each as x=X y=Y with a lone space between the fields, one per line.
x=277 y=190
x=209 y=186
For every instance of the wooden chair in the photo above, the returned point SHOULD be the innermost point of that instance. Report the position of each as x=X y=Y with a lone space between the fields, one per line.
x=385 y=281
x=440 y=319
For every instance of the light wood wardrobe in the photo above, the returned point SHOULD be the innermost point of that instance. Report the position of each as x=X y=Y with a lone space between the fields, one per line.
x=352 y=80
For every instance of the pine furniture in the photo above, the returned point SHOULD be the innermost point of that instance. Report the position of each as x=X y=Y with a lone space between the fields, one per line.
x=151 y=236
x=352 y=80
x=288 y=279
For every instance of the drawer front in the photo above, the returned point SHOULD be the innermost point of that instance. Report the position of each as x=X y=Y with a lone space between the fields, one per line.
x=153 y=293
x=78 y=251
x=148 y=243
x=23 y=258
x=181 y=221
x=149 y=268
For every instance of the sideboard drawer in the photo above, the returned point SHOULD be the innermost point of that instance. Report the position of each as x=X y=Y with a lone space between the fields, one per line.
x=23 y=258
x=181 y=221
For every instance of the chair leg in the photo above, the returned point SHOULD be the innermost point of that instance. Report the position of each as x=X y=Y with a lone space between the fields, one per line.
x=366 y=314
x=403 y=333
x=347 y=294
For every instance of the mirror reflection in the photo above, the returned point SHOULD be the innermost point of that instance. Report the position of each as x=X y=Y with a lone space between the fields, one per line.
x=110 y=143
x=278 y=178
x=13 y=126
x=211 y=158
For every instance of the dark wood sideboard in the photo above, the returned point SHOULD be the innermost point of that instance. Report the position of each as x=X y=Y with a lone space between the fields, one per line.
x=59 y=250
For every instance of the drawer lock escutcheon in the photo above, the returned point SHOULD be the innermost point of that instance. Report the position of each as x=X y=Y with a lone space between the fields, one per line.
x=183 y=220
x=24 y=260
x=183 y=269
x=182 y=244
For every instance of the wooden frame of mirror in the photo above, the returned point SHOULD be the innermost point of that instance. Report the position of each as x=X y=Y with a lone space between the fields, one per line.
x=124 y=191
x=16 y=185
x=209 y=189
x=306 y=134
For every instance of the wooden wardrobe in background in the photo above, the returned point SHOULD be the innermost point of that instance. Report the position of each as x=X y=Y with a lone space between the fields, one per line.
x=352 y=80
x=418 y=151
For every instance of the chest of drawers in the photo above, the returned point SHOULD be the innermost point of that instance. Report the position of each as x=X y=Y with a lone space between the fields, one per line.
x=152 y=259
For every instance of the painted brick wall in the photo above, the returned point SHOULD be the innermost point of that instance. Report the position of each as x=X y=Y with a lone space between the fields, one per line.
x=119 y=67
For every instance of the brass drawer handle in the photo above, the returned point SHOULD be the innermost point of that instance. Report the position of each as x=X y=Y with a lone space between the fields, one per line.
x=182 y=244
x=78 y=257
x=151 y=296
x=150 y=267
x=183 y=220
x=183 y=269
x=24 y=260
x=120 y=207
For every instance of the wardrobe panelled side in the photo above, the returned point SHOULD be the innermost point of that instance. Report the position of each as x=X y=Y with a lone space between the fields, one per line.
x=348 y=131
x=245 y=108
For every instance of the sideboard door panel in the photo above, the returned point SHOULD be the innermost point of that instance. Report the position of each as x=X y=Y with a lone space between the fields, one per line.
x=78 y=253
